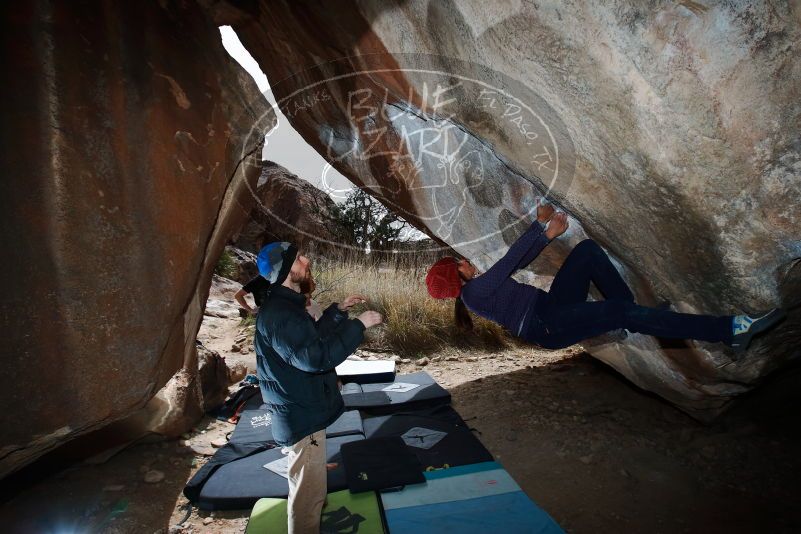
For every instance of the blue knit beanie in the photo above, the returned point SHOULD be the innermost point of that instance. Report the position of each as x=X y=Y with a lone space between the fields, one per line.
x=275 y=260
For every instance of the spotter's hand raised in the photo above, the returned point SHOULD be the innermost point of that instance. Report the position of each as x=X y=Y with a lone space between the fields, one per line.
x=370 y=318
x=351 y=301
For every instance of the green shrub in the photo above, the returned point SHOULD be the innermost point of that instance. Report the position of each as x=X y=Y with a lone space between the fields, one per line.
x=226 y=266
x=248 y=321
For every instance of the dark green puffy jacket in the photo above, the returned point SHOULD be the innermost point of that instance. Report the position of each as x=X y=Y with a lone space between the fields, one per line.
x=295 y=358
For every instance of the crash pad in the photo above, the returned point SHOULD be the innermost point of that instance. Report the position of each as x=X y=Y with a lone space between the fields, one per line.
x=470 y=499
x=344 y=512
x=366 y=371
x=411 y=391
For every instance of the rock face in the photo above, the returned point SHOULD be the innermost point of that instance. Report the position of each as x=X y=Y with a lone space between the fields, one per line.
x=288 y=208
x=215 y=377
x=125 y=174
x=244 y=264
x=668 y=131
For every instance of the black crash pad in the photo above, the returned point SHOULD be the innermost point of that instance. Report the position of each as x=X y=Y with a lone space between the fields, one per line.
x=254 y=426
x=458 y=446
x=239 y=484
x=388 y=397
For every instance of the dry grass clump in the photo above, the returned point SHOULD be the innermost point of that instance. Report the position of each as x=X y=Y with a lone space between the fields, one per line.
x=415 y=324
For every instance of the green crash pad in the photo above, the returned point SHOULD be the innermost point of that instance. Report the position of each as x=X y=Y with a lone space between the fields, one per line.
x=345 y=512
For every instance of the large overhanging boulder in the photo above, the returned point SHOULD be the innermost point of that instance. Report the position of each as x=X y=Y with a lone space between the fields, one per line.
x=669 y=132
x=125 y=170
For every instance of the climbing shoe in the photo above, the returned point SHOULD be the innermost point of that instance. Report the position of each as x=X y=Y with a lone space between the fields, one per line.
x=745 y=327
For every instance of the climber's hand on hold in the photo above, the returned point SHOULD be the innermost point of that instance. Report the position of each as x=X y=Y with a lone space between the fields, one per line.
x=557 y=226
x=544 y=212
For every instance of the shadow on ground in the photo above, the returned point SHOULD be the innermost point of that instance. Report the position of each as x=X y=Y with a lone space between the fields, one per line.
x=62 y=494
x=600 y=455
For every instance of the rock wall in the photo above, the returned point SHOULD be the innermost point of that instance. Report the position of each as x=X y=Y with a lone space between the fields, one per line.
x=125 y=164
x=276 y=217
x=669 y=131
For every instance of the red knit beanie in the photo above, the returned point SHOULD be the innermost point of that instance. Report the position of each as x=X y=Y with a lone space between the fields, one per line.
x=443 y=279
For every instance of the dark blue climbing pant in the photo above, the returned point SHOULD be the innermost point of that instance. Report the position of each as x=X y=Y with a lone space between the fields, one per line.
x=564 y=317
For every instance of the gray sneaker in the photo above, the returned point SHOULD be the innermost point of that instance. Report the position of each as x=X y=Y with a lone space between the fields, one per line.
x=745 y=327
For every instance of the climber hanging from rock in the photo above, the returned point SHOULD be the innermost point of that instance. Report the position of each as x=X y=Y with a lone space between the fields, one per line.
x=562 y=316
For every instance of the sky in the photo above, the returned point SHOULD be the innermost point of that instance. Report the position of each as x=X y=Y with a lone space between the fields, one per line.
x=284 y=144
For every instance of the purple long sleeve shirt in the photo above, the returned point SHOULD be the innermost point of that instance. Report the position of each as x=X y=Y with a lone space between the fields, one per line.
x=495 y=295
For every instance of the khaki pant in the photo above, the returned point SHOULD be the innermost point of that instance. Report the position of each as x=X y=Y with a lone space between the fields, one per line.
x=307 y=483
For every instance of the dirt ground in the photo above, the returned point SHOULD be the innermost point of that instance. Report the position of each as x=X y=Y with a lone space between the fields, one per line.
x=595 y=452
